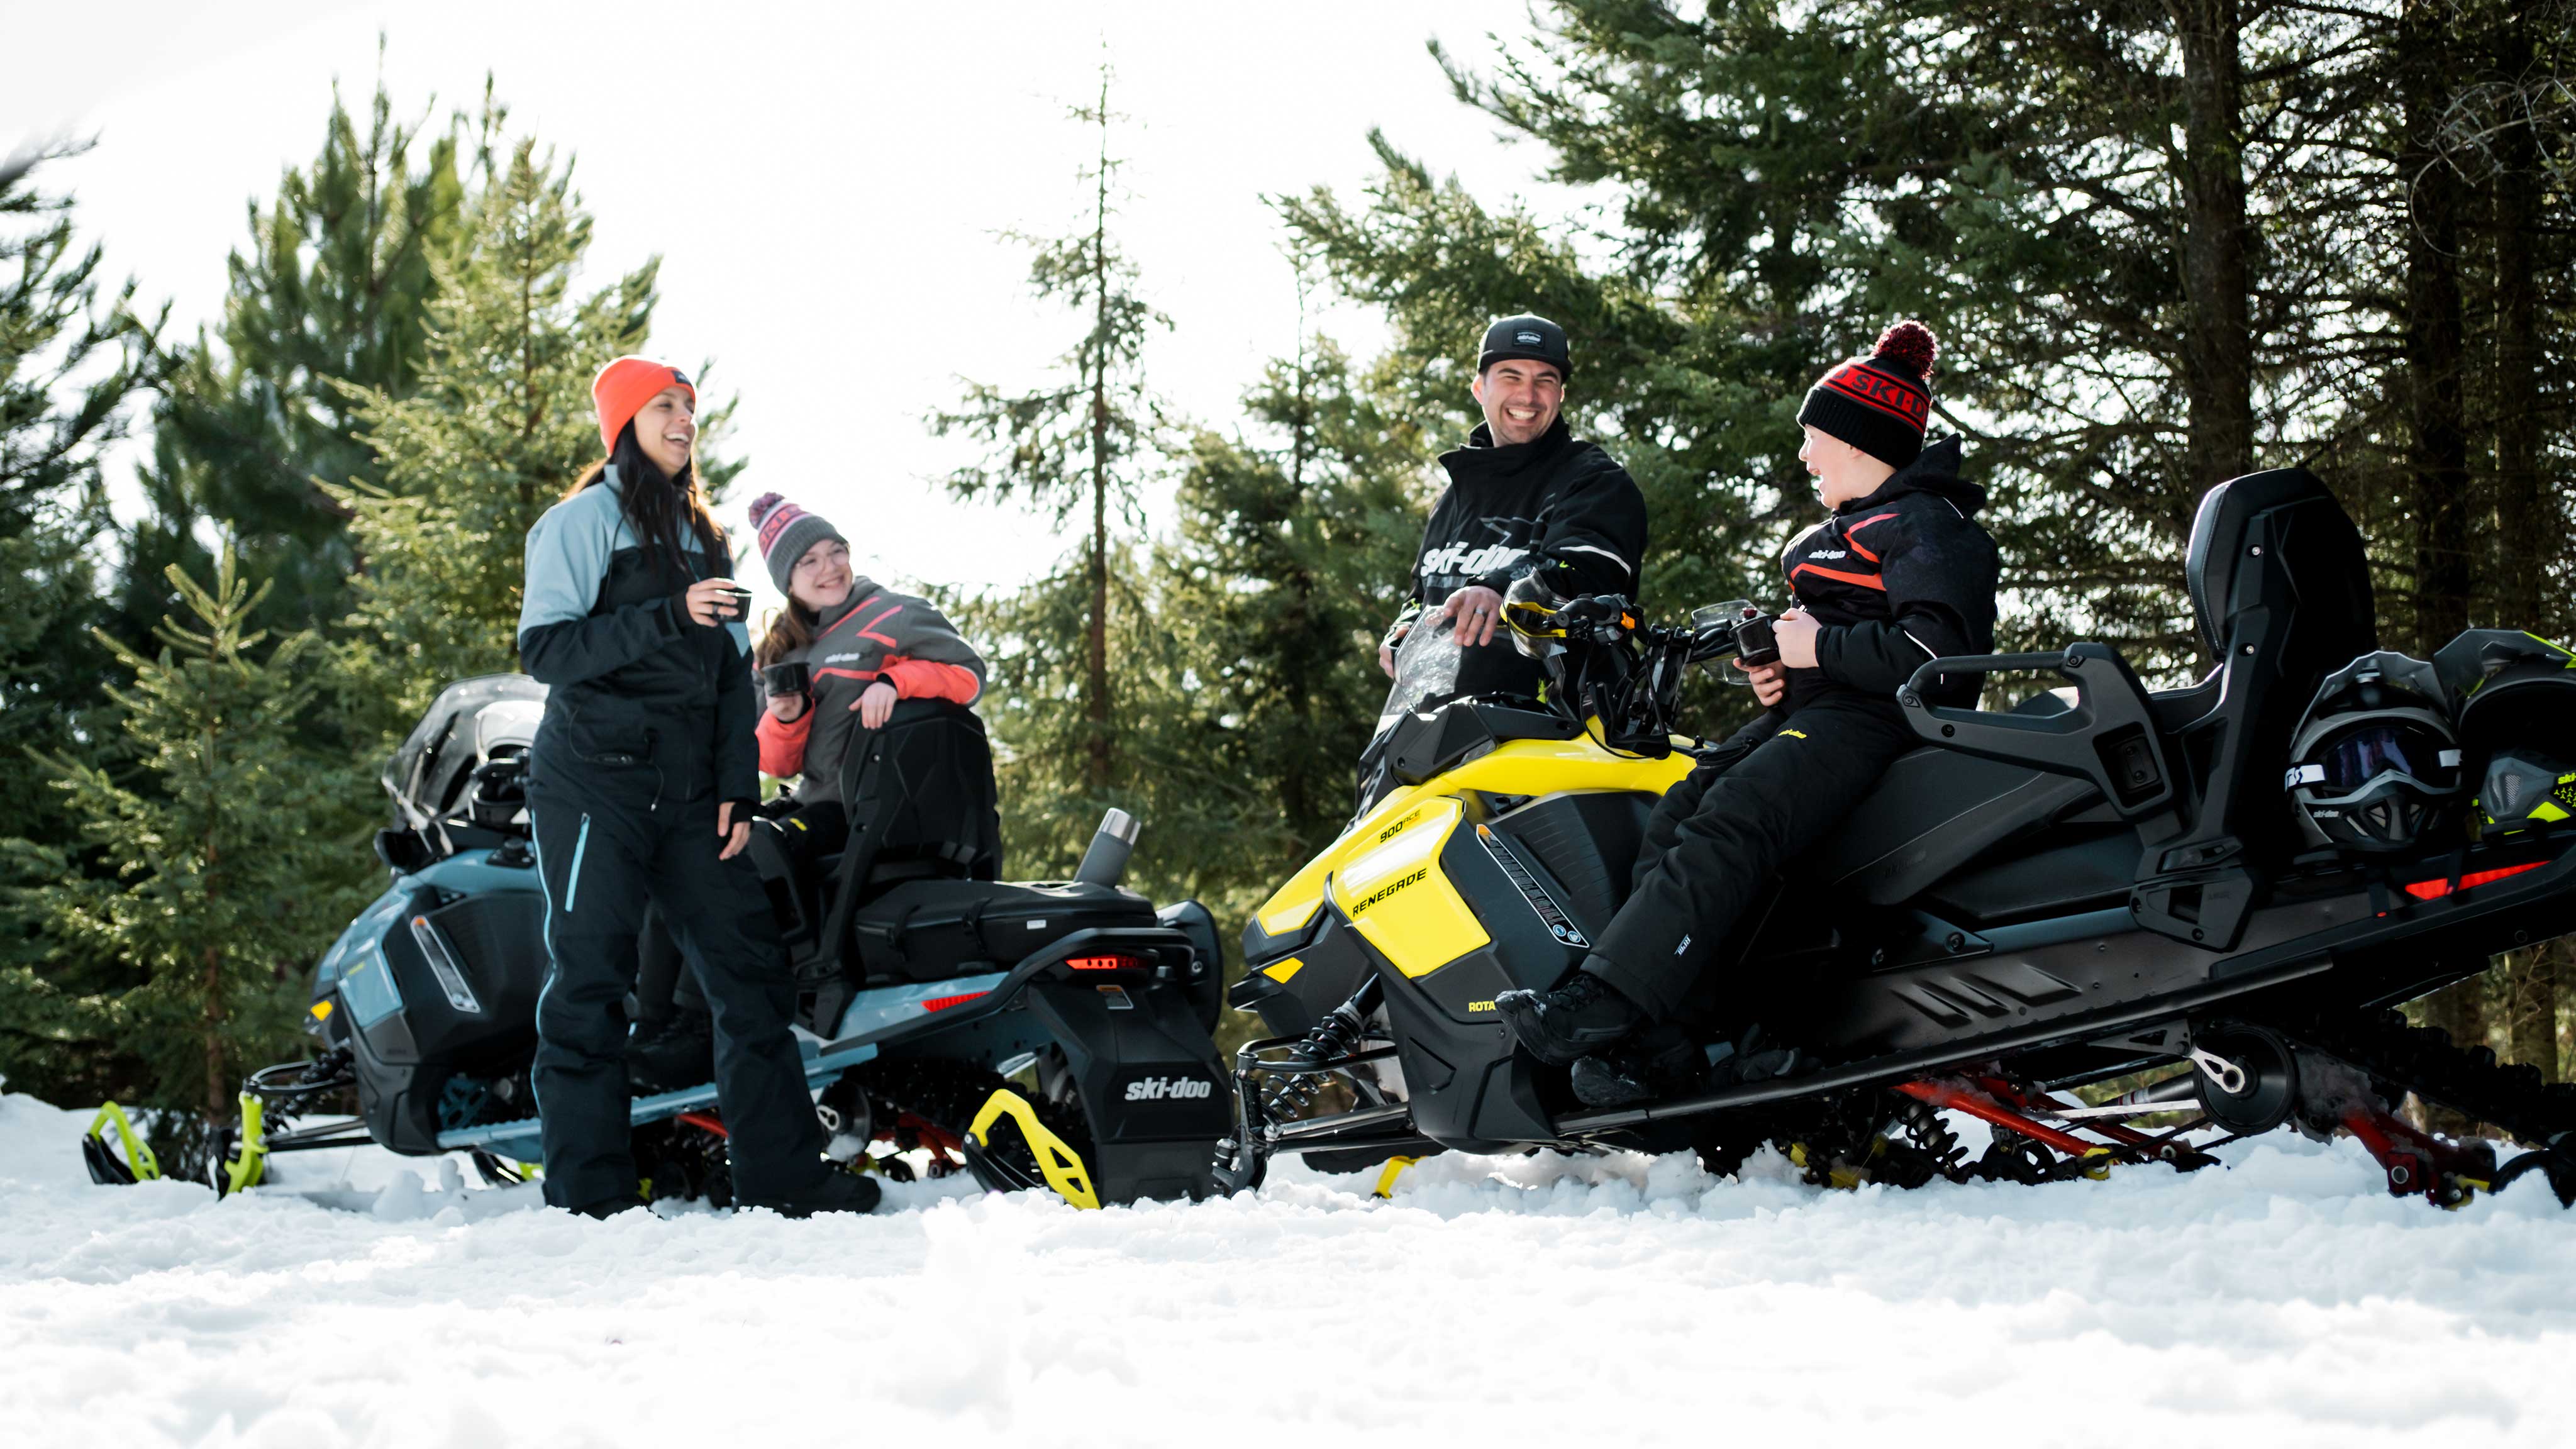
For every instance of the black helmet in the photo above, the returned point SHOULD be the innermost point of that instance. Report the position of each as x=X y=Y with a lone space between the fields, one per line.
x=2374 y=762
x=2517 y=725
x=2522 y=789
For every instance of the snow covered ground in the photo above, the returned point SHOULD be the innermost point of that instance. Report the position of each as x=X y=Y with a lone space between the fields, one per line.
x=2285 y=1300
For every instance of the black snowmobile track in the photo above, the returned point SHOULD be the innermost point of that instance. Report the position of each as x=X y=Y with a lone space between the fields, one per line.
x=2425 y=1061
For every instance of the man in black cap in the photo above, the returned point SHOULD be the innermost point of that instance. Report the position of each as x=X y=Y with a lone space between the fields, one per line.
x=1525 y=496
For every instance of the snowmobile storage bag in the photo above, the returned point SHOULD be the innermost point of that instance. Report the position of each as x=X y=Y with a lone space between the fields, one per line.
x=931 y=930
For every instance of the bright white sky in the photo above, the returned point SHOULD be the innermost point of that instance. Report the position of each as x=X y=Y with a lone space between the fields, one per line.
x=824 y=183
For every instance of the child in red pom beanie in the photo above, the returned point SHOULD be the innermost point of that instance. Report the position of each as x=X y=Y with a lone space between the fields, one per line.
x=1899 y=574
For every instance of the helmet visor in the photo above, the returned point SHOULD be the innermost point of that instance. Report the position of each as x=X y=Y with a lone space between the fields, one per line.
x=2353 y=760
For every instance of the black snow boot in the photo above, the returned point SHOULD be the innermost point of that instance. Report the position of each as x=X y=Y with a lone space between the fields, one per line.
x=1657 y=1062
x=1582 y=1015
x=679 y=1052
x=838 y=1192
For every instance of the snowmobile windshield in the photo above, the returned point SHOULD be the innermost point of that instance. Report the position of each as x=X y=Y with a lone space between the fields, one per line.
x=469 y=720
x=1426 y=670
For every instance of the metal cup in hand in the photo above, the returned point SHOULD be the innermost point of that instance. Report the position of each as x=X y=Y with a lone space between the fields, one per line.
x=784 y=679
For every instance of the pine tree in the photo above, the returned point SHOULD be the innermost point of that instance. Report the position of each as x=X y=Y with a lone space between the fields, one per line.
x=1073 y=447
x=70 y=358
x=72 y=352
x=1293 y=548
x=238 y=848
x=496 y=425
x=332 y=290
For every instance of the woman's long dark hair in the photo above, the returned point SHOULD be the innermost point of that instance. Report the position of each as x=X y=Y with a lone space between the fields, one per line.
x=657 y=504
x=790 y=629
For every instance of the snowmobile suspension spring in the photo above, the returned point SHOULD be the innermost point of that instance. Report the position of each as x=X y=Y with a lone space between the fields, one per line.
x=1289 y=1093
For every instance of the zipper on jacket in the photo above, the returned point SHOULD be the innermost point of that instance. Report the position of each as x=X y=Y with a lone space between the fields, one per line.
x=581 y=843
x=651 y=739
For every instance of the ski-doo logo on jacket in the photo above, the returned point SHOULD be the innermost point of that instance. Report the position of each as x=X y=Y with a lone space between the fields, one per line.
x=1459 y=559
x=1161 y=1089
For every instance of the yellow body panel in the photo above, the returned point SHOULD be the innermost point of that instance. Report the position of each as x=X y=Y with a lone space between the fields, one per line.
x=1396 y=895
x=1518 y=767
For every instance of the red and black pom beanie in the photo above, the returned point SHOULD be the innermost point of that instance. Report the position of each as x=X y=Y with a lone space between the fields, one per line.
x=1879 y=403
x=786 y=532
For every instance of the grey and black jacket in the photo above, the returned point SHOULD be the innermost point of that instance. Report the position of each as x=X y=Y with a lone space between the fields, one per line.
x=634 y=680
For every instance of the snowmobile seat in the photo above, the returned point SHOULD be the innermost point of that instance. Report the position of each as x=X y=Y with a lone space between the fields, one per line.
x=933 y=929
x=1935 y=811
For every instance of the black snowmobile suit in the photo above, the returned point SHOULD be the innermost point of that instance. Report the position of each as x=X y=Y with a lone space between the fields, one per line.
x=1556 y=506
x=1896 y=578
x=647 y=727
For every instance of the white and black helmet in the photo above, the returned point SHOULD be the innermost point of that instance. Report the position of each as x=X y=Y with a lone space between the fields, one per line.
x=2375 y=762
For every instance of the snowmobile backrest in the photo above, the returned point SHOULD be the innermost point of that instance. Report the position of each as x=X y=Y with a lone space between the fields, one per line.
x=2281 y=585
x=923 y=788
x=2317 y=553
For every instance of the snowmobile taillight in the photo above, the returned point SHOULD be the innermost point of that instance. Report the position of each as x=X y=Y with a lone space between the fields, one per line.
x=942 y=1003
x=1111 y=962
x=2440 y=886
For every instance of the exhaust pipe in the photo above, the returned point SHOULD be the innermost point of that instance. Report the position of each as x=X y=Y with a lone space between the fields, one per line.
x=1105 y=862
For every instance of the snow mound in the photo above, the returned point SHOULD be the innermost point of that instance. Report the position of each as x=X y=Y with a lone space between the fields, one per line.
x=1492 y=1300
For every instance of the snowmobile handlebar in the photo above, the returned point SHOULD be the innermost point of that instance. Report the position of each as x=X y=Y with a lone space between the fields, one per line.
x=2108 y=736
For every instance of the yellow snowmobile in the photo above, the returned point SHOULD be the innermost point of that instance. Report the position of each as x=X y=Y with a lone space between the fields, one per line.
x=2099 y=882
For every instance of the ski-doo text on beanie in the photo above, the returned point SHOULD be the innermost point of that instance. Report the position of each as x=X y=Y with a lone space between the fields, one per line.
x=786 y=531
x=1879 y=403
x=623 y=388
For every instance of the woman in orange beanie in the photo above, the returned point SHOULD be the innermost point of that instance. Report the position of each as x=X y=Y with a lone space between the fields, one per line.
x=641 y=785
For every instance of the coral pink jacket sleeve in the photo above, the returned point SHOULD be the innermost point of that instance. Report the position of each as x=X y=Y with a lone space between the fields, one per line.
x=929 y=679
x=782 y=745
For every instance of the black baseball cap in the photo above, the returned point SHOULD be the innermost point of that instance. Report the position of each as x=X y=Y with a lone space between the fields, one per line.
x=1527 y=336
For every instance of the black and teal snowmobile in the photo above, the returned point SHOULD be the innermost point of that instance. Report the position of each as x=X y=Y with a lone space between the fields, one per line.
x=2100 y=886
x=1051 y=1033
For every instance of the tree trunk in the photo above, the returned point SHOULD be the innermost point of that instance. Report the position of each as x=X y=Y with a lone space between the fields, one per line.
x=2531 y=1007
x=2438 y=457
x=2526 y=542
x=211 y=1022
x=1095 y=705
x=2216 y=250
x=2438 y=471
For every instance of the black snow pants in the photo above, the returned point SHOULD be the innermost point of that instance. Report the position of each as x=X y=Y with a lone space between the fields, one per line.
x=604 y=848
x=1719 y=837
x=810 y=832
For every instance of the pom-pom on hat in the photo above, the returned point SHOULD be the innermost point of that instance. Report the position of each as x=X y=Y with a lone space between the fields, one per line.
x=1879 y=403
x=785 y=532
x=624 y=386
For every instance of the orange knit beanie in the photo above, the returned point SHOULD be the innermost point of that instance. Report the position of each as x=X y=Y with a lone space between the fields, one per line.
x=623 y=388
